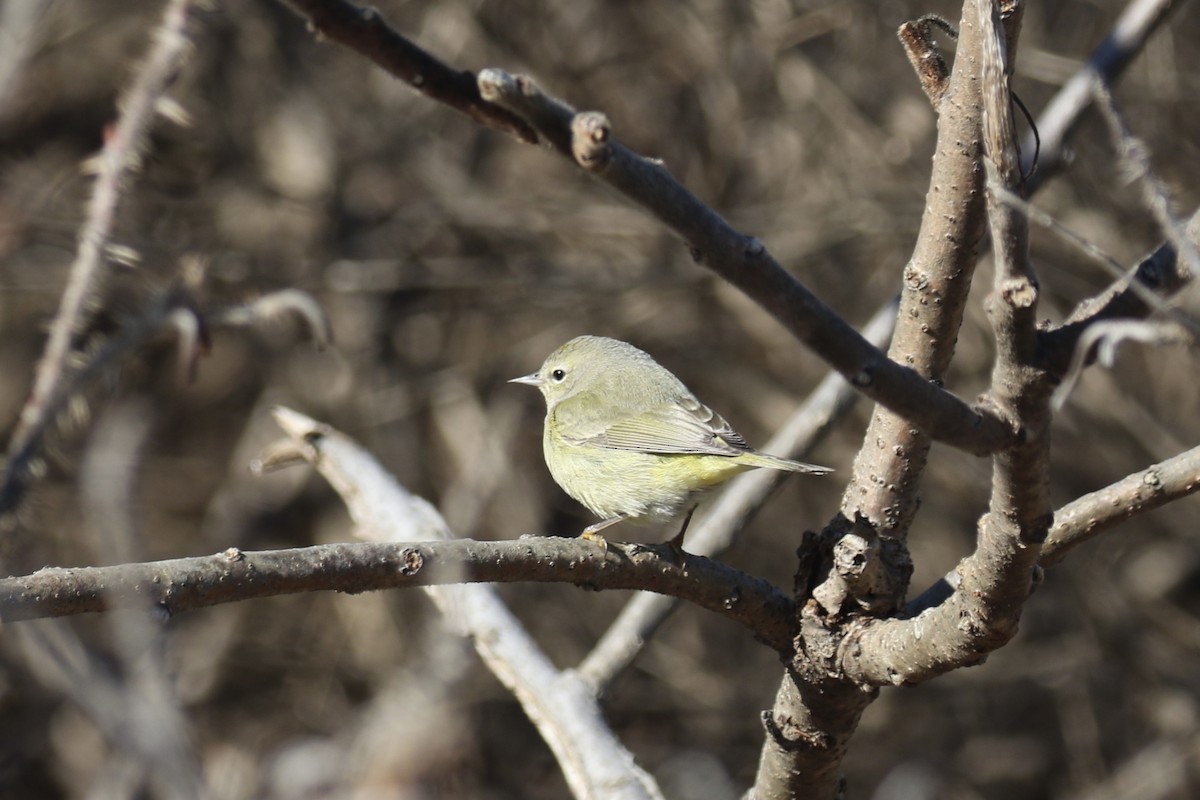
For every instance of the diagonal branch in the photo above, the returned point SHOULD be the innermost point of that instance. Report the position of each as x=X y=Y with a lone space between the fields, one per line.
x=1160 y=273
x=1092 y=514
x=742 y=260
x=120 y=156
x=1139 y=20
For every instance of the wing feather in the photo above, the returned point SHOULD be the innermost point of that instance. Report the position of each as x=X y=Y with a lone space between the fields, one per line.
x=685 y=426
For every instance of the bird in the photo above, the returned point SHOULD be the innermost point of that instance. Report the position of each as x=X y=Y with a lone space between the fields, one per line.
x=626 y=439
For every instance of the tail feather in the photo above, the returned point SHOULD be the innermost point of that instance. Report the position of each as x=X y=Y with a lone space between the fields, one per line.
x=757 y=459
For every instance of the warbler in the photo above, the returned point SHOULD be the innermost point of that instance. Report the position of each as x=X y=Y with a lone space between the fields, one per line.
x=629 y=441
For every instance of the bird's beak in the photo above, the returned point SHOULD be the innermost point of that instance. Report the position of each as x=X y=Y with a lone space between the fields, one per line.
x=530 y=380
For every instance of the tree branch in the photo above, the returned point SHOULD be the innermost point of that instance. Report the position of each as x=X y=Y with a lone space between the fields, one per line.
x=865 y=565
x=887 y=471
x=994 y=582
x=742 y=260
x=728 y=515
x=1139 y=20
x=1092 y=514
x=120 y=156
x=184 y=584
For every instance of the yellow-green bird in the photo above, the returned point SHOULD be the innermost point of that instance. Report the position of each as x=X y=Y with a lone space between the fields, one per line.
x=629 y=441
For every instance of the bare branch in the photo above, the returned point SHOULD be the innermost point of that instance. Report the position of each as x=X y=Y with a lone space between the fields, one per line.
x=116 y=161
x=188 y=583
x=275 y=304
x=1134 y=158
x=561 y=706
x=1159 y=273
x=816 y=709
x=887 y=471
x=1122 y=277
x=1108 y=61
x=364 y=31
x=1092 y=514
x=994 y=582
x=172 y=312
x=739 y=259
x=1104 y=338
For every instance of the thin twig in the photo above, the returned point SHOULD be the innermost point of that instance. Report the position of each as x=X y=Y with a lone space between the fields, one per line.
x=120 y=156
x=172 y=312
x=1134 y=158
x=1090 y=515
x=1139 y=20
x=1102 y=339
x=1159 y=273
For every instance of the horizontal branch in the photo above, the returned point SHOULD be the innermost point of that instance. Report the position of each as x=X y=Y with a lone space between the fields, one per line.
x=235 y=575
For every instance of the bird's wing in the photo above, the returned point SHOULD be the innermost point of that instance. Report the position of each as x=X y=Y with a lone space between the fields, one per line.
x=684 y=426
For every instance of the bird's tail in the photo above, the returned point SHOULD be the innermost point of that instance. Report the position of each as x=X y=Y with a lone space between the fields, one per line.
x=757 y=459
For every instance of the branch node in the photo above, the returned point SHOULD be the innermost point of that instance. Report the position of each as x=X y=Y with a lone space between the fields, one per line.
x=1019 y=292
x=411 y=561
x=591 y=137
x=864 y=377
x=917 y=38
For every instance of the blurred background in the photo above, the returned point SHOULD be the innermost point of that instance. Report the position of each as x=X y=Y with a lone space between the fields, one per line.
x=451 y=258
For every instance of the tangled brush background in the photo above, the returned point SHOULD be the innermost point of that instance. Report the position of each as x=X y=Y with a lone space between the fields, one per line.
x=448 y=259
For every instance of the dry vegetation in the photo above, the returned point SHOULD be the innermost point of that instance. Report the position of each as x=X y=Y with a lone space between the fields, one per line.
x=449 y=258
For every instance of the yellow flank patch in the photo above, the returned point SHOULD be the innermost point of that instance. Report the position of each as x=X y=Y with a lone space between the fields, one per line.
x=695 y=472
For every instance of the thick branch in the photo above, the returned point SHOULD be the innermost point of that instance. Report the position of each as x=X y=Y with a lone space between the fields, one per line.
x=994 y=582
x=187 y=583
x=937 y=279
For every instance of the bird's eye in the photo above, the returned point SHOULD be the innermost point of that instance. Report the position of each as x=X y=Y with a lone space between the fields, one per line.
x=558 y=375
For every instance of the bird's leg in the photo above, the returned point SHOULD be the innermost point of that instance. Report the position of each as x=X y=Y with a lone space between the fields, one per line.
x=676 y=542
x=592 y=532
